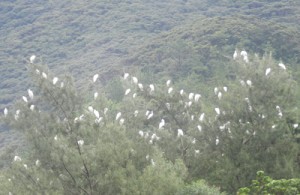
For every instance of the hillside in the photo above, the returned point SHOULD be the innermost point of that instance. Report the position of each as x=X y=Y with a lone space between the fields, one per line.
x=86 y=37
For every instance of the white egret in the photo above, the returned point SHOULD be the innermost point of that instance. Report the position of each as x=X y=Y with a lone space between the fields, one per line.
x=141 y=133
x=199 y=127
x=152 y=162
x=161 y=124
x=136 y=112
x=191 y=96
x=217 y=141
x=95 y=77
x=126 y=75
x=220 y=95
x=235 y=54
x=197 y=151
x=32 y=58
x=37 y=162
x=282 y=66
x=147 y=112
x=37 y=71
x=295 y=125
x=181 y=92
x=25 y=99
x=62 y=84
x=95 y=95
x=168 y=83
x=25 y=166
x=91 y=109
x=197 y=97
x=189 y=104
x=194 y=141
x=122 y=120
x=127 y=91
x=55 y=137
x=44 y=75
x=5 y=112
x=246 y=59
x=150 y=115
x=268 y=70
x=96 y=113
x=168 y=105
x=225 y=89
x=170 y=90
x=80 y=142
x=179 y=132
x=217 y=110
x=244 y=53
x=134 y=95
x=242 y=82
x=54 y=81
x=17 y=158
x=105 y=110
x=98 y=120
x=249 y=83
x=135 y=80
x=118 y=115
x=151 y=88
x=216 y=90
x=140 y=86
x=30 y=93
x=32 y=107
x=201 y=118
x=192 y=117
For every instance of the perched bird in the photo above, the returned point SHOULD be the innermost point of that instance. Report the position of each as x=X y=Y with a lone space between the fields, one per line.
x=150 y=115
x=135 y=80
x=118 y=116
x=168 y=83
x=199 y=127
x=219 y=95
x=96 y=113
x=179 y=132
x=191 y=96
x=62 y=84
x=17 y=158
x=161 y=124
x=125 y=76
x=37 y=71
x=235 y=54
x=244 y=53
x=181 y=92
x=217 y=141
x=30 y=93
x=25 y=99
x=268 y=70
x=127 y=91
x=218 y=111
x=295 y=125
x=282 y=66
x=32 y=58
x=140 y=86
x=216 y=90
x=225 y=89
x=5 y=112
x=31 y=107
x=170 y=90
x=91 y=109
x=249 y=83
x=197 y=97
x=141 y=133
x=44 y=75
x=136 y=112
x=134 y=95
x=54 y=81
x=95 y=77
x=95 y=95
x=121 y=122
x=80 y=142
x=151 y=88
x=201 y=118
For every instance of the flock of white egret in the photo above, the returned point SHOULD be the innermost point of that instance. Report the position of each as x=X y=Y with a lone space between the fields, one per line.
x=191 y=98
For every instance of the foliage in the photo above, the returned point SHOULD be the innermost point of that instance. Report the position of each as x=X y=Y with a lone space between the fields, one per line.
x=199 y=187
x=266 y=185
